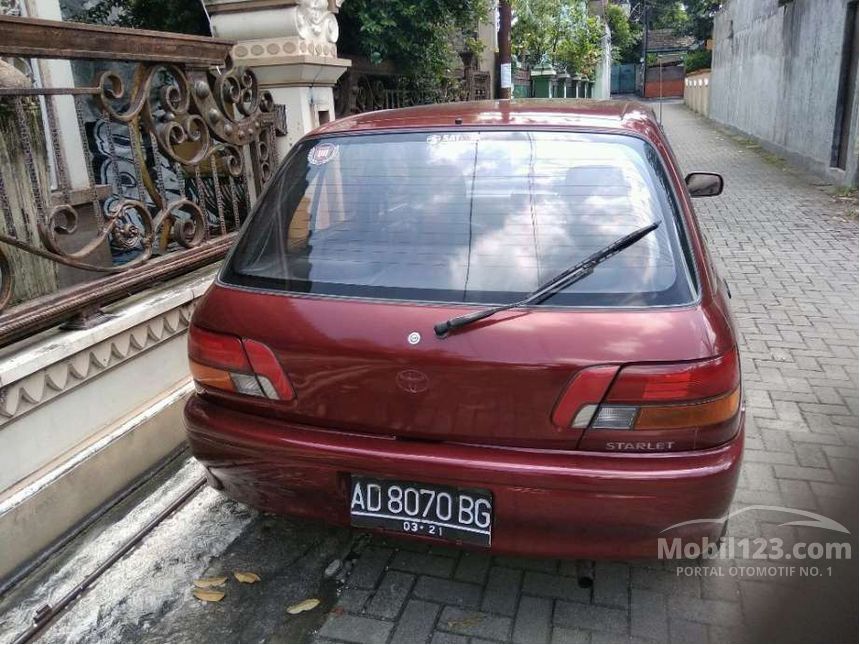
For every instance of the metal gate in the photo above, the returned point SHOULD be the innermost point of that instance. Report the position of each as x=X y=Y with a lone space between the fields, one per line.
x=623 y=79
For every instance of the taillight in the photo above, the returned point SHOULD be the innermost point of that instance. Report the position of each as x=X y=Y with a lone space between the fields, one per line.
x=668 y=407
x=576 y=407
x=272 y=378
x=230 y=364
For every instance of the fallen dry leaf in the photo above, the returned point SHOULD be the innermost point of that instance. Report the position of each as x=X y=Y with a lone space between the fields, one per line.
x=246 y=576
x=470 y=620
x=304 y=605
x=208 y=595
x=206 y=583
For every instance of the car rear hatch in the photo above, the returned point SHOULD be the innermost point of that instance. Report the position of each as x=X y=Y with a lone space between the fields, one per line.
x=362 y=244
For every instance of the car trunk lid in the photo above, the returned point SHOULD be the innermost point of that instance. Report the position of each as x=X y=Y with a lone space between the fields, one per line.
x=376 y=367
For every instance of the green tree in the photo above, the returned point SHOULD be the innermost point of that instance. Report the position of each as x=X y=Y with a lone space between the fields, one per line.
x=558 y=32
x=686 y=17
x=700 y=17
x=416 y=36
x=696 y=60
x=626 y=35
x=667 y=14
x=186 y=17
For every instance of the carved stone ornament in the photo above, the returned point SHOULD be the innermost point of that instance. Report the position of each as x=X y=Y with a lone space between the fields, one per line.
x=315 y=21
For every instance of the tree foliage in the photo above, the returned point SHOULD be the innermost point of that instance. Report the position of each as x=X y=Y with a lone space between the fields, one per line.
x=416 y=36
x=186 y=17
x=626 y=35
x=687 y=17
x=667 y=14
x=696 y=60
x=700 y=17
x=558 y=32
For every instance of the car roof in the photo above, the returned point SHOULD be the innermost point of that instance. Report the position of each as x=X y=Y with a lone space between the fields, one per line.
x=540 y=113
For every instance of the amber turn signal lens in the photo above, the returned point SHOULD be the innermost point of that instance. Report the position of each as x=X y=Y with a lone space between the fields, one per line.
x=689 y=416
x=211 y=377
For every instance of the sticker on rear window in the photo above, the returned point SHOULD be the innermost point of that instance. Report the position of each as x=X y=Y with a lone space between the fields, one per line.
x=322 y=153
x=460 y=137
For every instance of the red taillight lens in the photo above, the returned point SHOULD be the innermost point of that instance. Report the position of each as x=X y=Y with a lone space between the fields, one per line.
x=274 y=382
x=580 y=400
x=230 y=364
x=217 y=350
x=677 y=382
x=668 y=407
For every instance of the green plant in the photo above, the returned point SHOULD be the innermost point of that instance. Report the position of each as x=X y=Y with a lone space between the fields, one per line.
x=416 y=36
x=667 y=14
x=700 y=17
x=558 y=32
x=161 y=15
x=582 y=54
x=688 y=17
x=626 y=35
x=696 y=60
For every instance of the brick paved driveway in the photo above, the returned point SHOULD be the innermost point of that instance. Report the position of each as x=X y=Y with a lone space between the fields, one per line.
x=790 y=257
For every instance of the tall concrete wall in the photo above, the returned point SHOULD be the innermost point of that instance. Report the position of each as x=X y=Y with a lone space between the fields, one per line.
x=776 y=76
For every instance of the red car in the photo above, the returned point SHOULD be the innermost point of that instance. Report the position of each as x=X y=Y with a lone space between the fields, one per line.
x=492 y=324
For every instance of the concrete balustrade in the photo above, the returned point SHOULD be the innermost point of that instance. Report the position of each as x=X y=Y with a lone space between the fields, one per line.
x=697 y=86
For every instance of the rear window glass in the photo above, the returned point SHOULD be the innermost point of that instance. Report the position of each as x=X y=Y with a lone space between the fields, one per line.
x=481 y=217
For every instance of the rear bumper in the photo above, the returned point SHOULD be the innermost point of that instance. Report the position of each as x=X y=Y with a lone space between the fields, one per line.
x=558 y=504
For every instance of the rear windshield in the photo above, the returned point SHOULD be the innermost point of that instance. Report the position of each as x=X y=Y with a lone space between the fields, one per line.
x=479 y=217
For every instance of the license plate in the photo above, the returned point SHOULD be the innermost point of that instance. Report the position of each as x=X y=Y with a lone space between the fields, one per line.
x=464 y=515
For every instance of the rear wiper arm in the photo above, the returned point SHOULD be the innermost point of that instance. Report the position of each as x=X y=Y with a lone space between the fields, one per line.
x=563 y=280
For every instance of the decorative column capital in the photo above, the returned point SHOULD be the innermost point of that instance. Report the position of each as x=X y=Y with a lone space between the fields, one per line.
x=285 y=41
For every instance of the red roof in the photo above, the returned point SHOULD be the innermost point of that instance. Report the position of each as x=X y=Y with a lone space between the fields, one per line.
x=565 y=113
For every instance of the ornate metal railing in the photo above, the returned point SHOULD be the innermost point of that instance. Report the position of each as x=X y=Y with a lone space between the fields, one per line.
x=365 y=88
x=175 y=143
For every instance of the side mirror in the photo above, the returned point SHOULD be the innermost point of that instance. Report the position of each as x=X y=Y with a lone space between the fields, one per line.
x=704 y=184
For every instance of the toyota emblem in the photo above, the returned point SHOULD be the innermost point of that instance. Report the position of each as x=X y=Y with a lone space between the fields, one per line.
x=414 y=338
x=412 y=381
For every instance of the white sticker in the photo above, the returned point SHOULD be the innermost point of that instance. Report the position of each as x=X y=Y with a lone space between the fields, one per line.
x=505 y=76
x=434 y=139
x=322 y=153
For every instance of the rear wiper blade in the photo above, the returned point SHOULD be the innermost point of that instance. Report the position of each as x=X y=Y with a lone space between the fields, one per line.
x=563 y=280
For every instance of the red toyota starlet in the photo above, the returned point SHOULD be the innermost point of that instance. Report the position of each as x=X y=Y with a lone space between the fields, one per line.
x=492 y=324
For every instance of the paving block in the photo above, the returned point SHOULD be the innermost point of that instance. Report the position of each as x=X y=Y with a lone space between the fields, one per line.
x=475 y=623
x=582 y=616
x=416 y=623
x=533 y=621
x=502 y=591
x=555 y=586
x=355 y=629
x=426 y=563
x=449 y=592
x=390 y=594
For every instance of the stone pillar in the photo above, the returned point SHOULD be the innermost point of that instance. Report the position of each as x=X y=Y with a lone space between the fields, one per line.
x=292 y=47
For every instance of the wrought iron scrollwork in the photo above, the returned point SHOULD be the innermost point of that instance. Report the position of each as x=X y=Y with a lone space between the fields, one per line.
x=357 y=91
x=200 y=121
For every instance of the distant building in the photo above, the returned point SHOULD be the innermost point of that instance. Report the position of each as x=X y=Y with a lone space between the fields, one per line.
x=664 y=63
